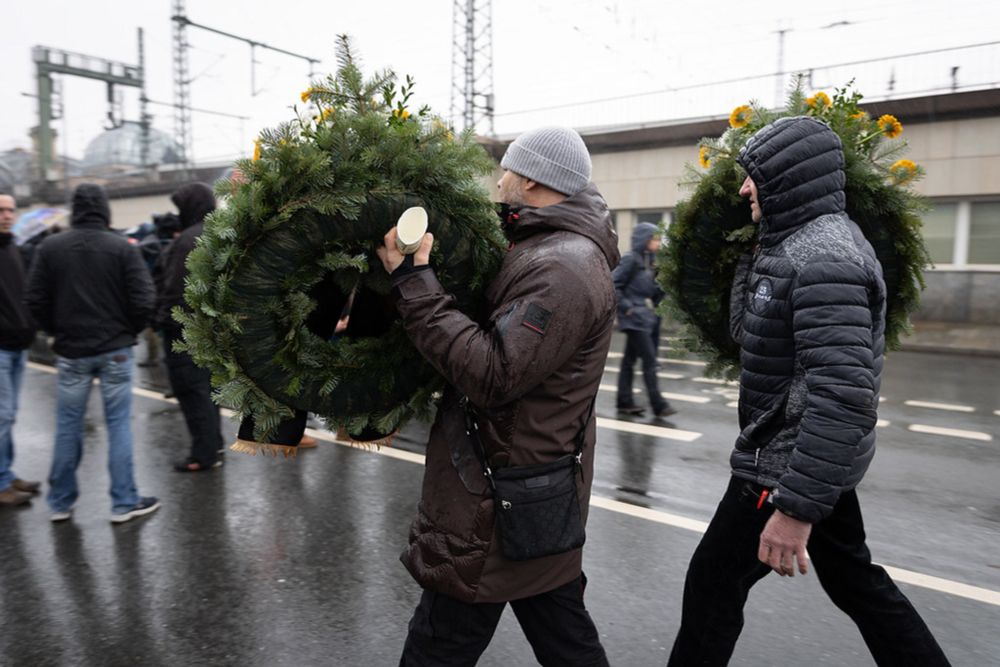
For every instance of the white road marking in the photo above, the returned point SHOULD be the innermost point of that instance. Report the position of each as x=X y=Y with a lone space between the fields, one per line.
x=655 y=516
x=666 y=360
x=685 y=362
x=665 y=376
x=727 y=383
x=947 y=586
x=997 y=413
x=882 y=423
x=686 y=398
x=939 y=406
x=733 y=404
x=952 y=432
x=156 y=395
x=944 y=585
x=648 y=429
x=614 y=388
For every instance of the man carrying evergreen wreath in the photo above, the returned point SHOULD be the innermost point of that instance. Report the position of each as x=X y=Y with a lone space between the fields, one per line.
x=808 y=312
x=530 y=368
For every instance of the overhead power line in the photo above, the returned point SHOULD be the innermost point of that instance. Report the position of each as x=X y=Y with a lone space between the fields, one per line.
x=720 y=82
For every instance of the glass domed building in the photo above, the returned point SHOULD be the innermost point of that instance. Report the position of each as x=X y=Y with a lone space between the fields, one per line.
x=120 y=149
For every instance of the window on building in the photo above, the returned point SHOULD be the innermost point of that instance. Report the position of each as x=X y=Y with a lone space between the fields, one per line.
x=939 y=232
x=655 y=217
x=984 y=233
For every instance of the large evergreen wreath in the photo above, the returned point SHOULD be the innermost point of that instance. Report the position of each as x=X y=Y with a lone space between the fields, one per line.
x=275 y=267
x=713 y=228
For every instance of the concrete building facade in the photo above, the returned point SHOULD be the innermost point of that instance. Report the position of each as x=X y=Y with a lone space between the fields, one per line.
x=956 y=138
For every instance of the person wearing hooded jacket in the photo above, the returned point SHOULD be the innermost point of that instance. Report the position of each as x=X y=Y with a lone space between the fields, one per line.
x=17 y=330
x=638 y=293
x=191 y=384
x=90 y=290
x=808 y=312
x=530 y=367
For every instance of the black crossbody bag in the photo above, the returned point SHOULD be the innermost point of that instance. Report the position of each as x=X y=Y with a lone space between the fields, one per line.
x=537 y=506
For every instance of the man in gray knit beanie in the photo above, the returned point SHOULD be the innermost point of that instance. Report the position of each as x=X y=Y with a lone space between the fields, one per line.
x=540 y=341
x=556 y=157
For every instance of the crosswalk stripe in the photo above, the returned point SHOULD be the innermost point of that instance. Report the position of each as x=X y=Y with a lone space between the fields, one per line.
x=940 y=406
x=952 y=432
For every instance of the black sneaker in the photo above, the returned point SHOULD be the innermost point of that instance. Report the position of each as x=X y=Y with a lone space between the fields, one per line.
x=665 y=412
x=141 y=508
x=631 y=411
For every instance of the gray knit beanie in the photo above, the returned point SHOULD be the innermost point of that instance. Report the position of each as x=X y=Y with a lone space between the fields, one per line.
x=554 y=156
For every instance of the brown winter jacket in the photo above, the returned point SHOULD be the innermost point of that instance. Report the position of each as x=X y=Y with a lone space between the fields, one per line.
x=531 y=366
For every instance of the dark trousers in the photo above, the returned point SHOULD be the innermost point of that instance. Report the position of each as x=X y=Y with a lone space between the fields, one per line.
x=725 y=566
x=446 y=631
x=193 y=389
x=639 y=345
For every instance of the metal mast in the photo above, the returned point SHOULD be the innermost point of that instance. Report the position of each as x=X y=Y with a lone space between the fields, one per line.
x=472 y=65
x=144 y=117
x=182 y=88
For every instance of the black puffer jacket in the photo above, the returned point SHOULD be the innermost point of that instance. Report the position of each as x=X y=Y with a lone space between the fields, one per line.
x=88 y=286
x=808 y=311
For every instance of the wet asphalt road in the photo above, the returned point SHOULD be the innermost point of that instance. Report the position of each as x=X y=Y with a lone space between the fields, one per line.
x=294 y=562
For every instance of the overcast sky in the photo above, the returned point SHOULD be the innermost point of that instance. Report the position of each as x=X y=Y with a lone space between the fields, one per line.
x=554 y=56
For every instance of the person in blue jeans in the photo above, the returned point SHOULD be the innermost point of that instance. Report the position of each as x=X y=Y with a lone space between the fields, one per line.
x=16 y=333
x=638 y=293
x=90 y=290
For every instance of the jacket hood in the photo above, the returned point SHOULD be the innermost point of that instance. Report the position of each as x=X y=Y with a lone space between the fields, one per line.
x=585 y=213
x=641 y=235
x=193 y=201
x=90 y=206
x=797 y=164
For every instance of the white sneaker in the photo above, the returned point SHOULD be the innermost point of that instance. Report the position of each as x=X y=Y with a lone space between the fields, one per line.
x=56 y=517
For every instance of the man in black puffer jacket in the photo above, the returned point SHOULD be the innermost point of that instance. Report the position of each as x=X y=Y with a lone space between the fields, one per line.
x=808 y=311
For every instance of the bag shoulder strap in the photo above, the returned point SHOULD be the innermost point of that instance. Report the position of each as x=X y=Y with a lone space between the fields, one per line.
x=472 y=430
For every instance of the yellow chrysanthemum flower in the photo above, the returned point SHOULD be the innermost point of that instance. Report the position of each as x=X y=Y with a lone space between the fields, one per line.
x=740 y=117
x=326 y=113
x=890 y=127
x=256 y=149
x=703 y=158
x=902 y=170
x=306 y=94
x=860 y=116
x=820 y=99
x=402 y=115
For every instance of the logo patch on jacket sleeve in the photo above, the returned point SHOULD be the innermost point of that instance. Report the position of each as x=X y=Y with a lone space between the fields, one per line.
x=536 y=318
